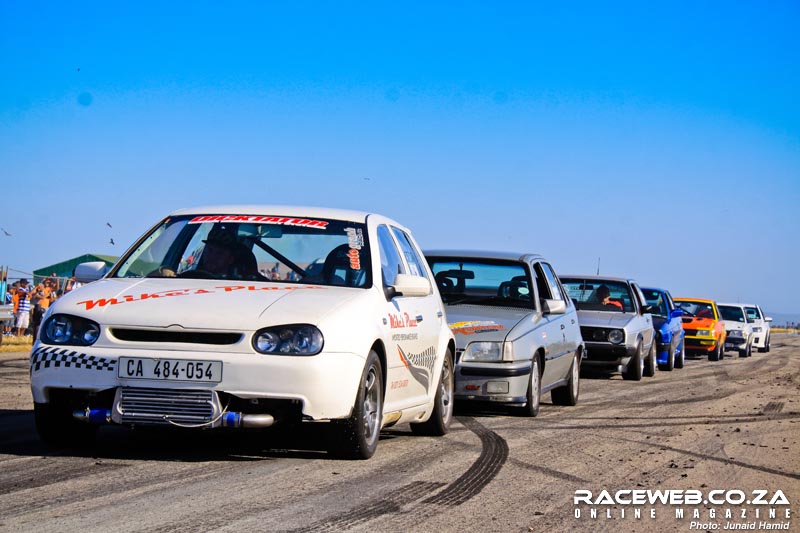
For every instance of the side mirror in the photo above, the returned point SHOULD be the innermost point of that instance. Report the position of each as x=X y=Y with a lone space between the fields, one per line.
x=406 y=285
x=89 y=272
x=676 y=313
x=553 y=307
x=768 y=318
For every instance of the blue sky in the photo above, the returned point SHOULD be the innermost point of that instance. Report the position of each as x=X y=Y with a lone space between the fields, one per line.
x=664 y=139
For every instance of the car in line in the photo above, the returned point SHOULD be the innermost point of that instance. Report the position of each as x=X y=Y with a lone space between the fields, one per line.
x=668 y=326
x=738 y=329
x=761 y=327
x=616 y=324
x=517 y=333
x=249 y=317
x=703 y=329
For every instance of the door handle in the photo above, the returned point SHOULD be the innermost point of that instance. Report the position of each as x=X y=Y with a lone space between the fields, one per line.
x=439 y=314
x=419 y=318
x=563 y=326
x=572 y=321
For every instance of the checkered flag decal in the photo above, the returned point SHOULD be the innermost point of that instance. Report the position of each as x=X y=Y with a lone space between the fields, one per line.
x=61 y=357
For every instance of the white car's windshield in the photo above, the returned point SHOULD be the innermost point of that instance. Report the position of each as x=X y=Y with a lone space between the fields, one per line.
x=729 y=312
x=753 y=314
x=253 y=248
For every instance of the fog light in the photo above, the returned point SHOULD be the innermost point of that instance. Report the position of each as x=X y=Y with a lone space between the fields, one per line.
x=497 y=387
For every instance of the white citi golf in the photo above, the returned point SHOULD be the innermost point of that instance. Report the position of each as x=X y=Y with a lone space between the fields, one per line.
x=248 y=317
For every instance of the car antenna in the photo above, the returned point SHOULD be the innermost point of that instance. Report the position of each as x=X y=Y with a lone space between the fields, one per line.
x=598 y=266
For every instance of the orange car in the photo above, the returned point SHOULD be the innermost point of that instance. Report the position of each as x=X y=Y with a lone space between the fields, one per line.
x=703 y=329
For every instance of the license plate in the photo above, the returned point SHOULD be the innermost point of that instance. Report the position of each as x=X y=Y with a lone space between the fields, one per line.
x=170 y=369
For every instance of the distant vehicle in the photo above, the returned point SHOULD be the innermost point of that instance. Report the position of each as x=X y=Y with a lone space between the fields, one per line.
x=616 y=324
x=213 y=319
x=516 y=330
x=761 y=327
x=669 y=328
x=703 y=329
x=738 y=329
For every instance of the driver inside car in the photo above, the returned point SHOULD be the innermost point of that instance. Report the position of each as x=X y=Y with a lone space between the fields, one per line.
x=219 y=252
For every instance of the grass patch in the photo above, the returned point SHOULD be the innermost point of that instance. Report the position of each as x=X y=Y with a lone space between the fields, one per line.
x=16 y=344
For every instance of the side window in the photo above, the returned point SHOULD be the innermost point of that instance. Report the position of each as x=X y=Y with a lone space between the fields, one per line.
x=413 y=259
x=391 y=264
x=541 y=282
x=552 y=282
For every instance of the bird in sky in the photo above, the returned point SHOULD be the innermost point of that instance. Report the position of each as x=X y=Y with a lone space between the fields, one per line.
x=111 y=241
x=108 y=224
x=7 y=233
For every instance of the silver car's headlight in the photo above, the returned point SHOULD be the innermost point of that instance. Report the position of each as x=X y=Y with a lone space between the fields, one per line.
x=704 y=333
x=616 y=336
x=736 y=333
x=487 y=351
x=294 y=339
x=757 y=329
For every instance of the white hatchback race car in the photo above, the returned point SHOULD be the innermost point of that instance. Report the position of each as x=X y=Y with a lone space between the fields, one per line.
x=249 y=316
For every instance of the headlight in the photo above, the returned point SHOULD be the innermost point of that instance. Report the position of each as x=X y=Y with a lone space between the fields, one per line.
x=488 y=351
x=736 y=333
x=704 y=333
x=616 y=336
x=757 y=329
x=70 y=330
x=294 y=339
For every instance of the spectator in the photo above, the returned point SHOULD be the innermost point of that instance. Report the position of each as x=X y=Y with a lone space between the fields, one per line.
x=43 y=296
x=22 y=307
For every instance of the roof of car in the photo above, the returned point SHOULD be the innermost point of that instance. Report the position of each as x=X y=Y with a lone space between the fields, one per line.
x=734 y=305
x=595 y=278
x=653 y=289
x=482 y=254
x=703 y=300
x=275 y=210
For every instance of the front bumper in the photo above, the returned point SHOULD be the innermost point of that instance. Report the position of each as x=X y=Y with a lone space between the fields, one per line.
x=704 y=344
x=607 y=355
x=493 y=382
x=735 y=343
x=325 y=384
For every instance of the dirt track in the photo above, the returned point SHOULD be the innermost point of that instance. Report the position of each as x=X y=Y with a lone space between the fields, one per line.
x=729 y=425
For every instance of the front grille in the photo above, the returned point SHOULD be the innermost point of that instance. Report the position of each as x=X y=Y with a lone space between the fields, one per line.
x=193 y=337
x=692 y=332
x=160 y=406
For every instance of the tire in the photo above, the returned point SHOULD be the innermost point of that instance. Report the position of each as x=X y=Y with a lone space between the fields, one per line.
x=58 y=429
x=716 y=355
x=651 y=364
x=768 y=342
x=534 y=394
x=568 y=394
x=635 y=366
x=357 y=436
x=765 y=349
x=670 y=364
x=439 y=422
x=747 y=352
x=681 y=359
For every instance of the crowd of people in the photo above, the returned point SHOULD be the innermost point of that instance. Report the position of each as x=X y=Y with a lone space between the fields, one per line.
x=29 y=303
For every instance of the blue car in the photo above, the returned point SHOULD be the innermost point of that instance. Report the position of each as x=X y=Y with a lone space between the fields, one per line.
x=671 y=352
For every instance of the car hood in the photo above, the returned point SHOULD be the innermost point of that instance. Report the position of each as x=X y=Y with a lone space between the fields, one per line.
x=201 y=304
x=698 y=323
x=734 y=324
x=483 y=323
x=604 y=319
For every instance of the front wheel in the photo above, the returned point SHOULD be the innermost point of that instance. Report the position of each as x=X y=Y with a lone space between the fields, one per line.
x=679 y=361
x=534 y=393
x=635 y=367
x=568 y=394
x=357 y=436
x=670 y=364
x=716 y=355
x=439 y=422
x=651 y=364
x=747 y=352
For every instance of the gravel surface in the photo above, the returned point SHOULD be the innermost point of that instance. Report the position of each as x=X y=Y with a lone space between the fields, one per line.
x=729 y=425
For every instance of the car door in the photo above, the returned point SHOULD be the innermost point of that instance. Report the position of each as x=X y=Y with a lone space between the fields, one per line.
x=555 y=326
x=646 y=319
x=410 y=330
x=675 y=324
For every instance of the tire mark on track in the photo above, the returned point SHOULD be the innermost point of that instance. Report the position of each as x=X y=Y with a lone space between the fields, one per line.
x=391 y=504
x=493 y=456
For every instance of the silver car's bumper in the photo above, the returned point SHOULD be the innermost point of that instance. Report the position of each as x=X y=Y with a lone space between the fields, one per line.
x=493 y=382
x=607 y=355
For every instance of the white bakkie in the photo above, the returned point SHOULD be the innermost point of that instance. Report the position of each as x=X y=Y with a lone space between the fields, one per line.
x=249 y=316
